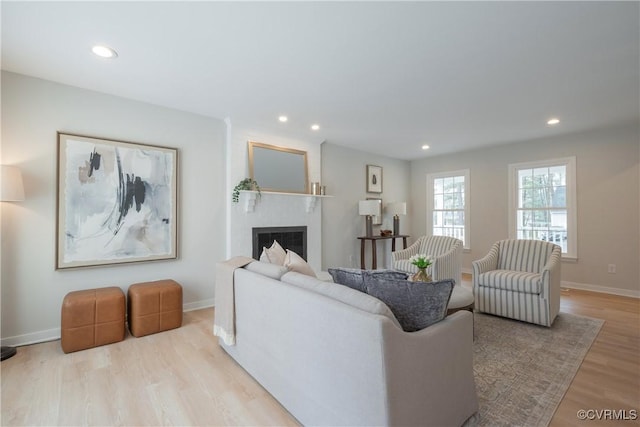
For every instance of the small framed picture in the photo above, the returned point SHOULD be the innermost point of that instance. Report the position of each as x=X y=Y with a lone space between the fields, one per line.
x=374 y=179
x=377 y=219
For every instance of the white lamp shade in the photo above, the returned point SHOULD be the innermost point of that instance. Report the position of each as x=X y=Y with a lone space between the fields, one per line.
x=369 y=207
x=11 y=188
x=397 y=208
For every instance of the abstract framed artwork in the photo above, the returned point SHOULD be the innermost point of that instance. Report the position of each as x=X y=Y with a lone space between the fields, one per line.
x=374 y=179
x=117 y=202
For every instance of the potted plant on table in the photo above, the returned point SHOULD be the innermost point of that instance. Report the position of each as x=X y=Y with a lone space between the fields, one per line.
x=421 y=261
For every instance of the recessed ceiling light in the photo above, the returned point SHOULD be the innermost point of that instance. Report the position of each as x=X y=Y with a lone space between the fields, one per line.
x=283 y=118
x=425 y=147
x=104 y=51
x=553 y=121
x=315 y=127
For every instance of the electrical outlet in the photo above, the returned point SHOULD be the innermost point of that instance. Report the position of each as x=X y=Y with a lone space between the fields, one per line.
x=611 y=269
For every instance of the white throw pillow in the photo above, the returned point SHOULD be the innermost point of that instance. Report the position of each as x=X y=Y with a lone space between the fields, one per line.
x=267 y=269
x=295 y=262
x=275 y=254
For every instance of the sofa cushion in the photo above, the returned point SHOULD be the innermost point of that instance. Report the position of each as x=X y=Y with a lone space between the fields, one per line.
x=416 y=305
x=275 y=254
x=354 y=278
x=341 y=293
x=267 y=269
x=295 y=262
x=350 y=277
x=516 y=281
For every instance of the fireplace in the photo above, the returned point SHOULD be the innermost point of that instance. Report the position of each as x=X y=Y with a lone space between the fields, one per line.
x=292 y=238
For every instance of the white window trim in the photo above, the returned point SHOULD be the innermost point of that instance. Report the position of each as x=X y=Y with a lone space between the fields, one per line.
x=467 y=206
x=572 y=206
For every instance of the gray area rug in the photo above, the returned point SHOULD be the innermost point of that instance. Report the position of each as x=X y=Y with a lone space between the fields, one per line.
x=522 y=371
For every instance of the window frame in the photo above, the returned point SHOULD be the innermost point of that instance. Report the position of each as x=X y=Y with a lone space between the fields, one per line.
x=572 y=208
x=431 y=177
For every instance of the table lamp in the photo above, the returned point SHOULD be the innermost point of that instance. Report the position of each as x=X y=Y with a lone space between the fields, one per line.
x=396 y=209
x=11 y=190
x=368 y=208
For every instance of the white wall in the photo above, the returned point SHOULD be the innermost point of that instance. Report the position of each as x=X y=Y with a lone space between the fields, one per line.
x=608 y=193
x=344 y=174
x=32 y=111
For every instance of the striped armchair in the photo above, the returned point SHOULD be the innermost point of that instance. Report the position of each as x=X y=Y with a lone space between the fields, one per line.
x=519 y=279
x=447 y=252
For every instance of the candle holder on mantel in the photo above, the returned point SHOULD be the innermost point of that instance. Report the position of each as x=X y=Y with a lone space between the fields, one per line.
x=318 y=190
x=315 y=188
x=396 y=209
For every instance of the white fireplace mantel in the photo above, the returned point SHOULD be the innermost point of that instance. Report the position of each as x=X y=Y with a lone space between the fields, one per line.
x=251 y=197
x=276 y=210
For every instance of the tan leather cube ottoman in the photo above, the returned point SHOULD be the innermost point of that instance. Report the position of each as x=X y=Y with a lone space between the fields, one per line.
x=154 y=307
x=91 y=318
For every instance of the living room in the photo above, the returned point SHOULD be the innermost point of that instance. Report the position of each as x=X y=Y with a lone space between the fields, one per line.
x=213 y=157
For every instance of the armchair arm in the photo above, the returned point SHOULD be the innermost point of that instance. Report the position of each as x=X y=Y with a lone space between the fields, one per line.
x=443 y=353
x=448 y=265
x=550 y=274
x=487 y=263
x=550 y=282
x=401 y=258
x=406 y=253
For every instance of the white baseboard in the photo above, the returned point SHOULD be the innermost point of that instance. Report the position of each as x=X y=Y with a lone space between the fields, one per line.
x=32 y=338
x=601 y=289
x=467 y=270
x=205 y=303
x=54 y=334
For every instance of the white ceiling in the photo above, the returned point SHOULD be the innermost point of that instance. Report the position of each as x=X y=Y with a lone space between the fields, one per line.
x=384 y=77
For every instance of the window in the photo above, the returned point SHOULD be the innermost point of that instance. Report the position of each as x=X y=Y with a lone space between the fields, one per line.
x=448 y=205
x=542 y=202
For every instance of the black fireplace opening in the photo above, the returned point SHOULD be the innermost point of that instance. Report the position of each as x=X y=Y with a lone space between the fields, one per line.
x=292 y=238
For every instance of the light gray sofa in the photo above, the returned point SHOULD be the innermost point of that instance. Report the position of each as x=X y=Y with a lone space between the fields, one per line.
x=332 y=355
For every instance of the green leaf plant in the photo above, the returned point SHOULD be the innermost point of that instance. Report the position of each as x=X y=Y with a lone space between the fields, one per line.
x=245 y=184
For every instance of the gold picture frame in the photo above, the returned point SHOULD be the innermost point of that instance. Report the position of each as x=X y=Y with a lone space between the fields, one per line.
x=117 y=202
x=278 y=169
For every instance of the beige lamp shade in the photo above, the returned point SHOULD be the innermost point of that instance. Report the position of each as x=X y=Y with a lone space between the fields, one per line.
x=397 y=208
x=369 y=207
x=11 y=188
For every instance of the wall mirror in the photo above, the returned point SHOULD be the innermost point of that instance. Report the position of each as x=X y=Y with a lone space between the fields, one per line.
x=278 y=169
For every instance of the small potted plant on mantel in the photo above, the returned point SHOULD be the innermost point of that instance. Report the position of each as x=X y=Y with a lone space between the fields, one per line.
x=245 y=184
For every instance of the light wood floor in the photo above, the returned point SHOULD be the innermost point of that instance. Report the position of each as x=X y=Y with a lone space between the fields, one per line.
x=609 y=377
x=182 y=377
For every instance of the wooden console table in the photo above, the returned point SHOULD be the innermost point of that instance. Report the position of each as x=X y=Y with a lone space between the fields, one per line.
x=374 y=252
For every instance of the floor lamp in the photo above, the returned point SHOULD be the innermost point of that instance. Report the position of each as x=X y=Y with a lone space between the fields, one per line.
x=11 y=190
